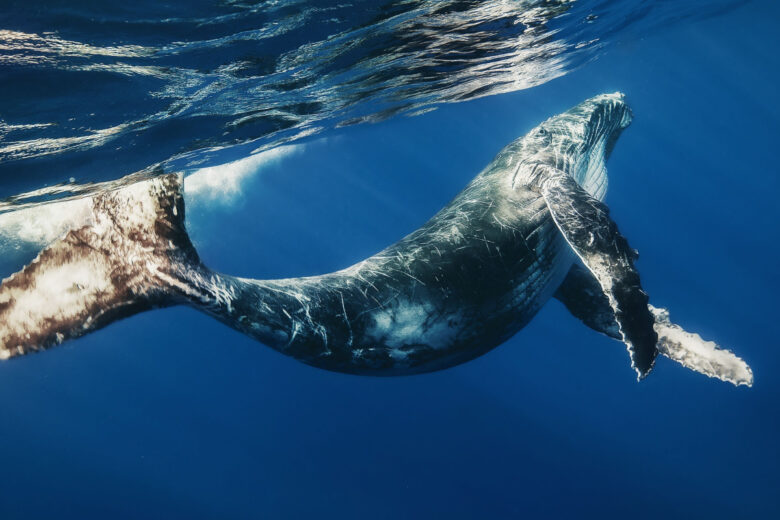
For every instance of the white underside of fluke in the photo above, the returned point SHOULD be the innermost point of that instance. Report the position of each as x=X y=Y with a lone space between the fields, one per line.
x=84 y=280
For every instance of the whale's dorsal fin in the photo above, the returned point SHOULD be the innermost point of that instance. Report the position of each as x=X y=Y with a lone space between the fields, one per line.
x=123 y=262
x=585 y=223
x=581 y=293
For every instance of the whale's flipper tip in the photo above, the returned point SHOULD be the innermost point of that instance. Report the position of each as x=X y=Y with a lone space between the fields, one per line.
x=581 y=294
x=705 y=357
x=117 y=265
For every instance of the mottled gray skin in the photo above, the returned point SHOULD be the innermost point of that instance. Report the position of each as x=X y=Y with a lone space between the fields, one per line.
x=465 y=282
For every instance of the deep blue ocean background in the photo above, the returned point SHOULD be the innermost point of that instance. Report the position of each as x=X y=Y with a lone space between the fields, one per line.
x=170 y=414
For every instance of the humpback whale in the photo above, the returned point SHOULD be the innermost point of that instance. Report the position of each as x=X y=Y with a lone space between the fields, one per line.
x=530 y=227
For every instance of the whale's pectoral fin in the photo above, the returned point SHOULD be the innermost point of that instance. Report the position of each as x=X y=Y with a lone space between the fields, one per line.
x=581 y=293
x=585 y=223
x=124 y=262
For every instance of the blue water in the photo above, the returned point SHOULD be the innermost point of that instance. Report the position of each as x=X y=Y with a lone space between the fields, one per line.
x=170 y=414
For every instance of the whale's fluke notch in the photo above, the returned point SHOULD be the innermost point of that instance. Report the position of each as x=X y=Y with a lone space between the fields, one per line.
x=123 y=262
x=586 y=225
x=581 y=293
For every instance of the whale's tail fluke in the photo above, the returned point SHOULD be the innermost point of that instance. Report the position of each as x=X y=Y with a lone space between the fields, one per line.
x=130 y=257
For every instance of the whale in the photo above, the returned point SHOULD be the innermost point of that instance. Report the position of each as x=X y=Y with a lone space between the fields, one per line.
x=531 y=227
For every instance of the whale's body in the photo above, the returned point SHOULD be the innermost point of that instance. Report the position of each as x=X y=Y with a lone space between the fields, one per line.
x=462 y=284
x=466 y=281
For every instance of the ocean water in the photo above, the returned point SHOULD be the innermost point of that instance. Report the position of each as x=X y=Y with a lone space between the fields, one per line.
x=313 y=135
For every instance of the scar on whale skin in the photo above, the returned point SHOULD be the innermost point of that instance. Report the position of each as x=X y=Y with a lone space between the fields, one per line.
x=531 y=226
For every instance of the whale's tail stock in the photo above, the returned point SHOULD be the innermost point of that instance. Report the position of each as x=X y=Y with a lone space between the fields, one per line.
x=130 y=256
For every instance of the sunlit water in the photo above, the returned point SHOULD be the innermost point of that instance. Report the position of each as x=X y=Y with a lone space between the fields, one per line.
x=97 y=93
x=264 y=106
